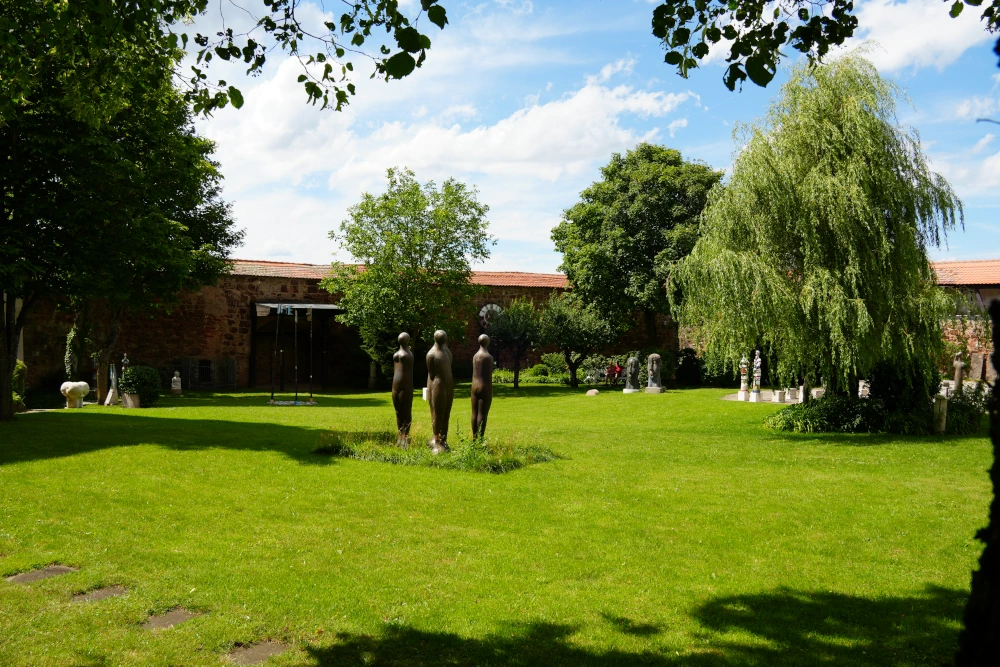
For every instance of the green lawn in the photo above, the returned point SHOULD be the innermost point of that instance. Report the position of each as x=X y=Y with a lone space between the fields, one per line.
x=674 y=530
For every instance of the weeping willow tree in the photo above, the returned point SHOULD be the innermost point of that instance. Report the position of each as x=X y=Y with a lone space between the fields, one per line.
x=816 y=249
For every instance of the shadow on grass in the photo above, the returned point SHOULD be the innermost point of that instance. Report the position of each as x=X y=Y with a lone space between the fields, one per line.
x=67 y=433
x=781 y=627
x=254 y=399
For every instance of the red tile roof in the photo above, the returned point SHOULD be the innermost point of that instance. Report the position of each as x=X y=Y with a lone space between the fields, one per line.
x=246 y=267
x=976 y=272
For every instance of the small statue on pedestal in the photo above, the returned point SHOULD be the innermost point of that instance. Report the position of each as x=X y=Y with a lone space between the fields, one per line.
x=402 y=389
x=631 y=376
x=744 y=389
x=653 y=367
x=175 y=384
x=441 y=385
x=959 y=372
x=755 y=393
x=482 y=387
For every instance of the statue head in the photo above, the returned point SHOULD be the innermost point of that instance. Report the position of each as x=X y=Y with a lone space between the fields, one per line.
x=440 y=337
x=177 y=374
x=404 y=339
x=655 y=363
x=632 y=365
x=484 y=340
x=958 y=359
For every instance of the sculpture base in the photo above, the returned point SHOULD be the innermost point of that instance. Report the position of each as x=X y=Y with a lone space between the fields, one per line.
x=130 y=400
x=778 y=396
x=755 y=397
x=630 y=391
x=112 y=397
x=743 y=395
x=74 y=403
x=818 y=393
x=176 y=392
x=654 y=390
x=424 y=393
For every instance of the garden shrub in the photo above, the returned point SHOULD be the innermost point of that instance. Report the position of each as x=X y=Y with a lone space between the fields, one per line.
x=689 y=368
x=966 y=410
x=19 y=378
x=539 y=370
x=555 y=361
x=833 y=414
x=142 y=380
x=907 y=389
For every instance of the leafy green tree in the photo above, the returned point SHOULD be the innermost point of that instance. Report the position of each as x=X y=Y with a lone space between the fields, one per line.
x=124 y=213
x=816 y=250
x=515 y=328
x=757 y=31
x=94 y=41
x=629 y=227
x=575 y=329
x=414 y=245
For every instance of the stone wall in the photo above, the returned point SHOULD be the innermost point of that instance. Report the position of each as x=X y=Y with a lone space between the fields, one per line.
x=212 y=327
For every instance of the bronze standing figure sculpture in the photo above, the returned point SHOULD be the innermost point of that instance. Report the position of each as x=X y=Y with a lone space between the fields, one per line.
x=402 y=389
x=482 y=387
x=441 y=385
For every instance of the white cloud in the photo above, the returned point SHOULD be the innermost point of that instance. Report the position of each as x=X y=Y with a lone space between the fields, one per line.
x=983 y=143
x=916 y=33
x=623 y=65
x=676 y=125
x=293 y=171
x=976 y=107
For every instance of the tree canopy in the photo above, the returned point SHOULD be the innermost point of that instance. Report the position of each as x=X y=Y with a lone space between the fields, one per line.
x=515 y=329
x=816 y=249
x=413 y=246
x=629 y=227
x=756 y=31
x=126 y=212
x=93 y=41
x=575 y=329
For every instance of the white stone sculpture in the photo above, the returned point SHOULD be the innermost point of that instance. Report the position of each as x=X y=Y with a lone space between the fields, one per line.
x=175 y=383
x=755 y=394
x=744 y=389
x=74 y=393
x=112 y=398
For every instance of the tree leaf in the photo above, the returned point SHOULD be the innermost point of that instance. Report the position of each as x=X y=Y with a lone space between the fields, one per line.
x=236 y=97
x=400 y=65
x=956 y=9
x=437 y=16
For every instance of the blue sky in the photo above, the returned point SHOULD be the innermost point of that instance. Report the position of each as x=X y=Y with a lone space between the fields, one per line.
x=526 y=100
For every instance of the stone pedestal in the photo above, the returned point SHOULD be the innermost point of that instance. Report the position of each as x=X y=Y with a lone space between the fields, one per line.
x=755 y=397
x=940 y=414
x=130 y=400
x=629 y=390
x=818 y=392
x=801 y=394
x=792 y=394
x=654 y=390
x=423 y=393
x=744 y=395
x=778 y=396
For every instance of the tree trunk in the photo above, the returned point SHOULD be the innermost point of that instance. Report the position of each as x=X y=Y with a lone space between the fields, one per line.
x=979 y=642
x=574 y=381
x=652 y=339
x=10 y=334
x=517 y=366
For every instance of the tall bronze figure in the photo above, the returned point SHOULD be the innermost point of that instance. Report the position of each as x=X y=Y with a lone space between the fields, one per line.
x=441 y=384
x=402 y=389
x=482 y=387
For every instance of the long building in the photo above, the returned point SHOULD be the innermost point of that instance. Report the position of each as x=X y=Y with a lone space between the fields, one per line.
x=231 y=335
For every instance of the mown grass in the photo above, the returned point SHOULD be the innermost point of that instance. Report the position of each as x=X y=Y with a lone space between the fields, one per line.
x=490 y=454
x=674 y=529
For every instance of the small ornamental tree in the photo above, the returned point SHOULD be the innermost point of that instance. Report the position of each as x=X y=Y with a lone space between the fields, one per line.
x=575 y=329
x=515 y=329
x=414 y=245
x=639 y=219
x=816 y=250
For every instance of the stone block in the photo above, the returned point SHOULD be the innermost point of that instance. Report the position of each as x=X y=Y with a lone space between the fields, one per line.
x=778 y=396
